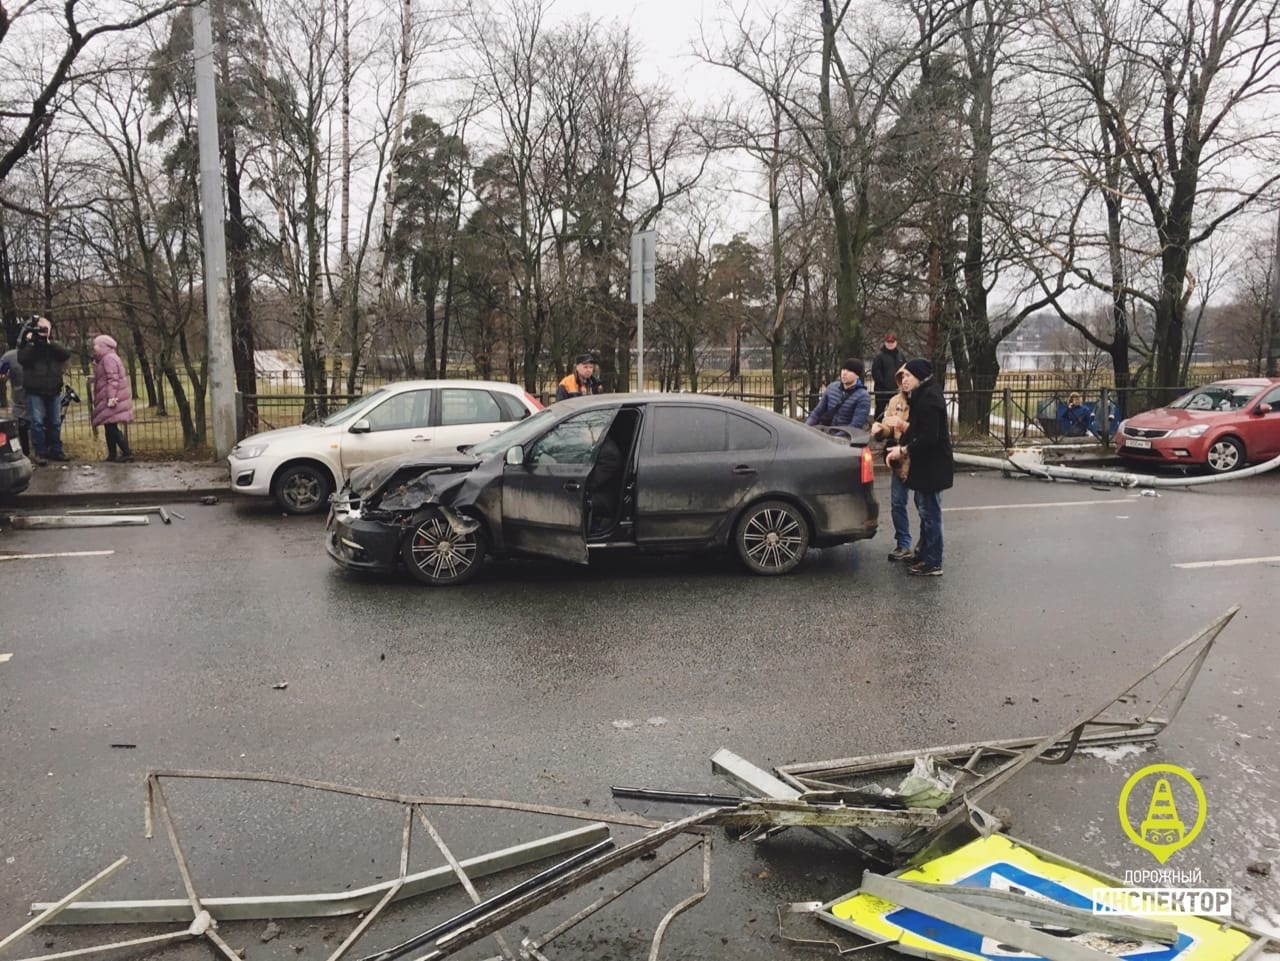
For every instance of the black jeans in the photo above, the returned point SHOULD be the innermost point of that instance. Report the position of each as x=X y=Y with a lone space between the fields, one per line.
x=117 y=440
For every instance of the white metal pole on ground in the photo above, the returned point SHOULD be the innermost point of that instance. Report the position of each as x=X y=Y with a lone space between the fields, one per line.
x=1119 y=478
x=222 y=408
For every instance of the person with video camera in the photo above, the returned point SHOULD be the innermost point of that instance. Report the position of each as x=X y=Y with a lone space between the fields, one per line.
x=42 y=360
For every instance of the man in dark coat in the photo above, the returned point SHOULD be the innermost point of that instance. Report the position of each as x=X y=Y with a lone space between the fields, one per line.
x=884 y=370
x=928 y=442
x=42 y=360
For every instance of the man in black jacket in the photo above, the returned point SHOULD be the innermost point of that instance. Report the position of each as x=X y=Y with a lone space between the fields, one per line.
x=932 y=470
x=42 y=359
x=884 y=371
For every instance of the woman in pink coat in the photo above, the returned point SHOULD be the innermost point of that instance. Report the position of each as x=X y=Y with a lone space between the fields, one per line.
x=112 y=398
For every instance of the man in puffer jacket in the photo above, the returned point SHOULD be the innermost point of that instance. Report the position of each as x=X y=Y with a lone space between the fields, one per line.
x=42 y=359
x=845 y=402
x=112 y=398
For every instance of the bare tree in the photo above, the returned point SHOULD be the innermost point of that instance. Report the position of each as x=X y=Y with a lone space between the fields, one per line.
x=76 y=24
x=1172 y=95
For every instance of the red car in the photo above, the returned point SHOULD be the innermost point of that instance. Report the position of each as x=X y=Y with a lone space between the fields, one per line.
x=1221 y=426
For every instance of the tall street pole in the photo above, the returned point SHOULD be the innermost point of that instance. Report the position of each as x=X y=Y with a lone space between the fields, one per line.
x=222 y=400
x=1273 y=312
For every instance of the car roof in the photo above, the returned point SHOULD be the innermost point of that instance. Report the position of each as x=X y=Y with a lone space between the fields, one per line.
x=794 y=428
x=1244 y=382
x=663 y=399
x=452 y=382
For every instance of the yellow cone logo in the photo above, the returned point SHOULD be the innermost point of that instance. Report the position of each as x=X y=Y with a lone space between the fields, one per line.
x=1162 y=830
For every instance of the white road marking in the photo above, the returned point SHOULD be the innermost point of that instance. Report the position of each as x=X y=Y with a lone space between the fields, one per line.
x=33 y=557
x=5 y=657
x=1010 y=507
x=1234 y=562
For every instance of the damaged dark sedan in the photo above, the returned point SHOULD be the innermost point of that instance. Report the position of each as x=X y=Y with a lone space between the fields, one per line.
x=659 y=472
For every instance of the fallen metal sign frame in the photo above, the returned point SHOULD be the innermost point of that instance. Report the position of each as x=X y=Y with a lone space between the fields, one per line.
x=815 y=780
x=994 y=914
x=200 y=916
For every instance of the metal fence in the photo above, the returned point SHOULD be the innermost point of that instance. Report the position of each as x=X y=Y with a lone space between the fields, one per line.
x=1020 y=407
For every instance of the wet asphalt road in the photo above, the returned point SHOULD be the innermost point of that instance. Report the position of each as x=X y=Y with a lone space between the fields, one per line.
x=549 y=684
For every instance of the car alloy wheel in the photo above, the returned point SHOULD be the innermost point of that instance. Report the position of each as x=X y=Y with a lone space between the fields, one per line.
x=772 y=538
x=1225 y=454
x=438 y=555
x=302 y=489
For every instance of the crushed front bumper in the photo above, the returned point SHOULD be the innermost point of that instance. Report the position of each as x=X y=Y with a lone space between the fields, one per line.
x=358 y=544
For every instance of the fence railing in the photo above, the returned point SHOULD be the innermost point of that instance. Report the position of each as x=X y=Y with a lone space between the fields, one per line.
x=1022 y=406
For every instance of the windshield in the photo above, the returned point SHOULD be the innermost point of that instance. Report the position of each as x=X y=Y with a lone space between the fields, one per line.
x=344 y=414
x=1217 y=397
x=520 y=433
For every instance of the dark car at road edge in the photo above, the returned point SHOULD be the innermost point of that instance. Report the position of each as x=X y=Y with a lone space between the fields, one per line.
x=654 y=472
x=15 y=468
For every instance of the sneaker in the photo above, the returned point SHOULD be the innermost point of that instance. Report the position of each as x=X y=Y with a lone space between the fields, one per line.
x=59 y=456
x=902 y=554
x=125 y=459
x=924 y=570
x=39 y=460
x=110 y=460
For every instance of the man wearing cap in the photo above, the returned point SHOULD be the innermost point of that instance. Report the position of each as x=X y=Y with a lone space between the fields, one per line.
x=582 y=381
x=927 y=442
x=845 y=402
x=883 y=370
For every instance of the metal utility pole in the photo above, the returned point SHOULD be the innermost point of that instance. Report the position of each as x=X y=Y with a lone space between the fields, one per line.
x=222 y=401
x=644 y=262
x=1273 y=311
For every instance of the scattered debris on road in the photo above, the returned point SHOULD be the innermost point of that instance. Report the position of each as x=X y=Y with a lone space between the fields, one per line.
x=928 y=830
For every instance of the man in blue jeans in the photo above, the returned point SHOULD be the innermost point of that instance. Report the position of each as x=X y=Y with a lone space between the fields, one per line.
x=42 y=360
x=927 y=442
x=892 y=426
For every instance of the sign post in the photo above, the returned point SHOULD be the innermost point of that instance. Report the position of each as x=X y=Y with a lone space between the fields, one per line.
x=644 y=261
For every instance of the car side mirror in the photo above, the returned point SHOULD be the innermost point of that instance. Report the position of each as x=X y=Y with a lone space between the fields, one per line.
x=361 y=426
x=1264 y=409
x=515 y=456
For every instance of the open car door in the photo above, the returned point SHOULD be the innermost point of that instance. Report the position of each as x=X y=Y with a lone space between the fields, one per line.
x=544 y=497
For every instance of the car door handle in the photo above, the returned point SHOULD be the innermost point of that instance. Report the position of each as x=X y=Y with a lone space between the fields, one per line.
x=572 y=486
x=744 y=469
x=420 y=439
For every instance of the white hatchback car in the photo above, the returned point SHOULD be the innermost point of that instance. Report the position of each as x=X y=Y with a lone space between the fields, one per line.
x=301 y=466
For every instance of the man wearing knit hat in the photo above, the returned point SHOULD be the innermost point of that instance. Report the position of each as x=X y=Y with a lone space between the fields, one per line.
x=884 y=371
x=845 y=402
x=928 y=443
x=581 y=381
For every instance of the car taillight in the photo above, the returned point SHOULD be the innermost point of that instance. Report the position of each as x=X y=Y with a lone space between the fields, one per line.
x=4 y=438
x=537 y=404
x=868 y=465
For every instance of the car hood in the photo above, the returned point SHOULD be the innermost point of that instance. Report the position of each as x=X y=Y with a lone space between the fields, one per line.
x=1169 y=418
x=280 y=434
x=370 y=478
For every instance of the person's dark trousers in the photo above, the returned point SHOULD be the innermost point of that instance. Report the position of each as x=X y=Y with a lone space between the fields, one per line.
x=929 y=506
x=46 y=424
x=116 y=441
x=898 y=511
x=882 y=401
x=24 y=437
